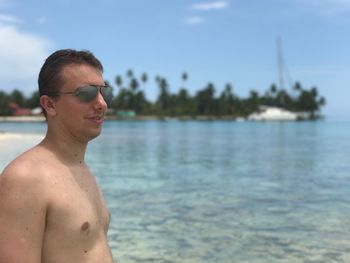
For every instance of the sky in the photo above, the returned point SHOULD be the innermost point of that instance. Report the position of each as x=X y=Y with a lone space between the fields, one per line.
x=217 y=41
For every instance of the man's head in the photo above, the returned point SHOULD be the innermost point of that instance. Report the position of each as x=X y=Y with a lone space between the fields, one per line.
x=73 y=94
x=51 y=78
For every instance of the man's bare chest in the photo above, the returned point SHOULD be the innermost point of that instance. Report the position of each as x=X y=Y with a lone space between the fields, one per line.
x=77 y=211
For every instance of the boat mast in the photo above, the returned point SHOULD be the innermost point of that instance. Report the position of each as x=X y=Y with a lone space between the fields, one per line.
x=280 y=68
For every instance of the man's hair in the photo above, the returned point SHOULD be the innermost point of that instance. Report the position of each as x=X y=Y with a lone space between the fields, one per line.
x=50 y=78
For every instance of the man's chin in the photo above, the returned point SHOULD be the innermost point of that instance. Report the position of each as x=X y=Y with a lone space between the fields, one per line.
x=94 y=134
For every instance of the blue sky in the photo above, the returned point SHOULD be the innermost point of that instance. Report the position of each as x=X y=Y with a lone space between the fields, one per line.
x=218 y=41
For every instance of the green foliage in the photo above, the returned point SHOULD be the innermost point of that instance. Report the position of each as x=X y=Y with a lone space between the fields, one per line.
x=33 y=101
x=130 y=97
x=204 y=102
x=4 y=104
x=16 y=96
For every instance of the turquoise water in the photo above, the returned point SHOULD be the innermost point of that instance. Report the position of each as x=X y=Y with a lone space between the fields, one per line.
x=222 y=191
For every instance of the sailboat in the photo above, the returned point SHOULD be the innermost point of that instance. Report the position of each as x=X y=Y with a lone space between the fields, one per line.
x=272 y=113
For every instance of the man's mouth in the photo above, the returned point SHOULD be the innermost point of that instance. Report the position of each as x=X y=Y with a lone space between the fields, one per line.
x=97 y=119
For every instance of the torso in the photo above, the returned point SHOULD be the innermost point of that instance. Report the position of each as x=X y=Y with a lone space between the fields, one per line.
x=76 y=219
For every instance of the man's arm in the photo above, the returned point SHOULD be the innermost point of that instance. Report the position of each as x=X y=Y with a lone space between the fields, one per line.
x=22 y=216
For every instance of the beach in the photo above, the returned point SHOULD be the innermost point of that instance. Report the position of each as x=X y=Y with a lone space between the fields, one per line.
x=10 y=137
x=12 y=144
x=22 y=118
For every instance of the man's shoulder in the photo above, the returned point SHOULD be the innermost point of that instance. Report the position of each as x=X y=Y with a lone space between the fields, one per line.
x=26 y=170
x=23 y=187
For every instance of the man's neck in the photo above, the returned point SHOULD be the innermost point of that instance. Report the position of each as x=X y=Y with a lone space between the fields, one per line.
x=68 y=149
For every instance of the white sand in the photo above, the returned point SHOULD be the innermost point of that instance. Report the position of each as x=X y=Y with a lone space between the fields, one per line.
x=5 y=136
x=22 y=118
x=13 y=144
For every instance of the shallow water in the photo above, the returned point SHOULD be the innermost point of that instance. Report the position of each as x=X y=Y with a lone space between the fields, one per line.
x=223 y=191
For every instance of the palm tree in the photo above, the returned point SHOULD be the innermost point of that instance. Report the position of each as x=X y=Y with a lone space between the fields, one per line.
x=17 y=97
x=134 y=84
x=322 y=101
x=158 y=79
x=205 y=100
x=228 y=90
x=273 y=89
x=164 y=94
x=4 y=102
x=33 y=101
x=184 y=77
x=314 y=92
x=130 y=73
x=297 y=87
x=144 y=78
x=119 y=81
x=253 y=101
x=229 y=99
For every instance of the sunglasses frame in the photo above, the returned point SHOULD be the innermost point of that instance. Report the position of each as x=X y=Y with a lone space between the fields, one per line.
x=77 y=93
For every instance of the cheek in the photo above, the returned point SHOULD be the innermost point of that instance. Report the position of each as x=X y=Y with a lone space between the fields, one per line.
x=71 y=113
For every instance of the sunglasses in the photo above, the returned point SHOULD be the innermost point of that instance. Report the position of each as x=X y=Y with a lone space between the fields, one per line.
x=89 y=93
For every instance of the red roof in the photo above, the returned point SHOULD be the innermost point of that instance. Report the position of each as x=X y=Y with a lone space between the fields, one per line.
x=22 y=112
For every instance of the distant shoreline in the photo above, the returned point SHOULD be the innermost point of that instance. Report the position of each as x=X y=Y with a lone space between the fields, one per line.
x=41 y=118
x=22 y=118
x=115 y=118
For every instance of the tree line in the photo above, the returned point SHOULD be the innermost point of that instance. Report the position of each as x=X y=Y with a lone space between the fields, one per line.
x=130 y=96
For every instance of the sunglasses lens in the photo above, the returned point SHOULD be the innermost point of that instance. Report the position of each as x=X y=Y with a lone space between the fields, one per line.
x=87 y=93
x=107 y=94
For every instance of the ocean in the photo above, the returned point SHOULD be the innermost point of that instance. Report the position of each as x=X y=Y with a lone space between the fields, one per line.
x=220 y=191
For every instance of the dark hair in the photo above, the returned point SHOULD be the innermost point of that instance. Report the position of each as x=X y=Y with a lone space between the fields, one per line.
x=50 y=79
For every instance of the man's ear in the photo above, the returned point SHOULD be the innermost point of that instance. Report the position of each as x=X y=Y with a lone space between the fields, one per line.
x=49 y=104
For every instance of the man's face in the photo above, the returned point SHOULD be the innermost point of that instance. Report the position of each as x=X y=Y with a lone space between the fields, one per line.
x=82 y=120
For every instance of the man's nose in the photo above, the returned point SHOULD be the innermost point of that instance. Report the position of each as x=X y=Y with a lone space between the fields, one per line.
x=100 y=101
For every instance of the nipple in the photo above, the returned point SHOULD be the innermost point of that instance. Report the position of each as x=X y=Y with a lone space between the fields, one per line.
x=85 y=228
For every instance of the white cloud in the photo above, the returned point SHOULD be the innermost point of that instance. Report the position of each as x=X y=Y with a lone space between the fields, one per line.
x=9 y=19
x=21 y=56
x=216 y=5
x=194 y=20
x=326 y=7
x=205 y=6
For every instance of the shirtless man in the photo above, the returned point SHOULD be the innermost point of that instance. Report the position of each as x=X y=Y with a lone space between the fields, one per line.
x=51 y=209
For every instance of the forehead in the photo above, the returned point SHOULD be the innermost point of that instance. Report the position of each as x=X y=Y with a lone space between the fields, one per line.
x=81 y=74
